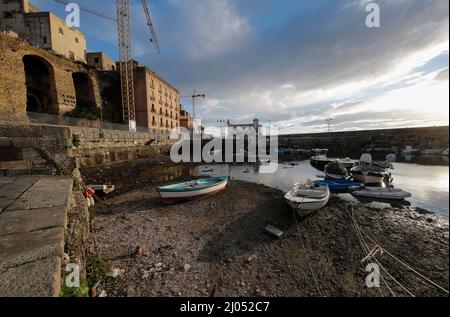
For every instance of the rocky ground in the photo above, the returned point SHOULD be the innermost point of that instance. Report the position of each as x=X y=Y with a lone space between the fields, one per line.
x=217 y=246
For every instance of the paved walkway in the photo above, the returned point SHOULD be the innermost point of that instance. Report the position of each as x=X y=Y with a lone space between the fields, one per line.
x=33 y=218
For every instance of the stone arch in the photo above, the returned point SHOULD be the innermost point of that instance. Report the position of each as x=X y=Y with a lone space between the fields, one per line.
x=40 y=83
x=84 y=90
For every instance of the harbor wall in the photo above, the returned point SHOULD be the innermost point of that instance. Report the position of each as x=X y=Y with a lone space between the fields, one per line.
x=377 y=140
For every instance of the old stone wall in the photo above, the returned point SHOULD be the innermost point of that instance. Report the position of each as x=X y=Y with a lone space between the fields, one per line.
x=425 y=138
x=13 y=90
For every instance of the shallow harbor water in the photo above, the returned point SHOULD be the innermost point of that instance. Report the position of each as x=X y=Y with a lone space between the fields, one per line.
x=428 y=184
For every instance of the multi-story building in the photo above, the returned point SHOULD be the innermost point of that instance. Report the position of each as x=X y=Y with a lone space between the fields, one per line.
x=186 y=120
x=157 y=102
x=100 y=61
x=43 y=29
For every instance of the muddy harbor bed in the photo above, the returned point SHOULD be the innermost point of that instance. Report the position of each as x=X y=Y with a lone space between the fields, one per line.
x=217 y=246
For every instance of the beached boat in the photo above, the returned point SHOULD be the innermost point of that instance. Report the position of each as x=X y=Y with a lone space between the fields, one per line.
x=445 y=153
x=336 y=170
x=339 y=185
x=382 y=193
x=305 y=198
x=369 y=174
x=193 y=189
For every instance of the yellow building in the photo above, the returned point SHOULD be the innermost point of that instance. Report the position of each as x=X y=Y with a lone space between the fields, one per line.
x=43 y=29
x=157 y=102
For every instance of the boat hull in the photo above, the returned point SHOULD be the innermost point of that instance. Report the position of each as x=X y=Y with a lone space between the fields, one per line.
x=382 y=193
x=367 y=178
x=306 y=208
x=303 y=206
x=193 y=194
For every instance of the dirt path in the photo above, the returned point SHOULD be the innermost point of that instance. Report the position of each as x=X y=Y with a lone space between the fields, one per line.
x=217 y=247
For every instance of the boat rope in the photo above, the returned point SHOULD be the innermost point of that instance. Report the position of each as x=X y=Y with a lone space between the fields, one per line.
x=65 y=170
x=377 y=249
x=316 y=283
x=365 y=249
x=409 y=266
x=358 y=228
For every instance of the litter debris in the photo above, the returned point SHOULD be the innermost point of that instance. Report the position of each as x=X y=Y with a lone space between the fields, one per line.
x=187 y=267
x=102 y=294
x=105 y=189
x=274 y=232
x=115 y=273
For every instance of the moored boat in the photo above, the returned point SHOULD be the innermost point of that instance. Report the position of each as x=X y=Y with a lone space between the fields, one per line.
x=369 y=174
x=305 y=198
x=193 y=189
x=320 y=161
x=336 y=170
x=339 y=185
x=382 y=193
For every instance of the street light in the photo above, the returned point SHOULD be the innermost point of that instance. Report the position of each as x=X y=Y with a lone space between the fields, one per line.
x=329 y=123
x=220 y=121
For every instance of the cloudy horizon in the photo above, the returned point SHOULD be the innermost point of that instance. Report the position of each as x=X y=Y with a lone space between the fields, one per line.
x=295 y=63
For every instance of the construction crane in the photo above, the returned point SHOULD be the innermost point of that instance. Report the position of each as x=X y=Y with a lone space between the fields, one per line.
x=194 y=96
x=125 y=53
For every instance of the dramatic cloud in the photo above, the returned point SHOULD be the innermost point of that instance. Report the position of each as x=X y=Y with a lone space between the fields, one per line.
x=297 y=63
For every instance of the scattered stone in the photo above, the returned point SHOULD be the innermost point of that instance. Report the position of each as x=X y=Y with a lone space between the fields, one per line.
x=187 y=267
x=251 y=258
x=140 y=250
x=102 y=294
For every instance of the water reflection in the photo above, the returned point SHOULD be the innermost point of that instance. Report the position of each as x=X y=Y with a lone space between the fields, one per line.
x=428 y=184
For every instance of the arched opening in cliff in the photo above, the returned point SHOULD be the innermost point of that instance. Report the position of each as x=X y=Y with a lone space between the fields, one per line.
x=40 y=83
x=86 y=107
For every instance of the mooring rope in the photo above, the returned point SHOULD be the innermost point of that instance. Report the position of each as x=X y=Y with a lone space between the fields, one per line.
x=365 y=249
x=368 y=250
x=409 y=266
x=316 y=283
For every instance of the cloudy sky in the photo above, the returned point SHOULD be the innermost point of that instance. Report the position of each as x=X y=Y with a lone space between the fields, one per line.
x=294 y=62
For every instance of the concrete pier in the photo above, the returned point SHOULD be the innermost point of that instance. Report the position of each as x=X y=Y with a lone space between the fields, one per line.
x=33 y=220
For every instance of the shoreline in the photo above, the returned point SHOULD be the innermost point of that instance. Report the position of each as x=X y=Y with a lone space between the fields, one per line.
x=216 y=246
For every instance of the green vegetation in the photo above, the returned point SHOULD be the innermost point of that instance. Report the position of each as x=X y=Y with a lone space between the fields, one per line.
x=76 y=140
x=82 y=112
x=82 y=291
x=96 y=270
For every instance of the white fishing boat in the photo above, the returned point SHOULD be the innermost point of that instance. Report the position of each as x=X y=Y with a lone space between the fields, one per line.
x=305 y=198
x=193 y=189
x=410 y=150
x=369 y=174
x=382 y=193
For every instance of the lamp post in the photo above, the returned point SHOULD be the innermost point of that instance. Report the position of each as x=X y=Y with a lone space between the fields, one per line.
x=329 y=123
x=221 y=121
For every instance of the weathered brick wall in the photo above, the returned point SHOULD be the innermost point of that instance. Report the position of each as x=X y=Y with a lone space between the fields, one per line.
x=13 y=93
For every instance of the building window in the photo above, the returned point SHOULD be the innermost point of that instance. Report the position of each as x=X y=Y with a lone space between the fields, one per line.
x=61 y=31
x=96 y=60
x=72 y=56
x=44 y=39
x=76 y=40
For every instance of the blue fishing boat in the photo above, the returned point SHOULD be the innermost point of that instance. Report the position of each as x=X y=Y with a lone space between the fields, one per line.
x=193 y=189
x=339 y=185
